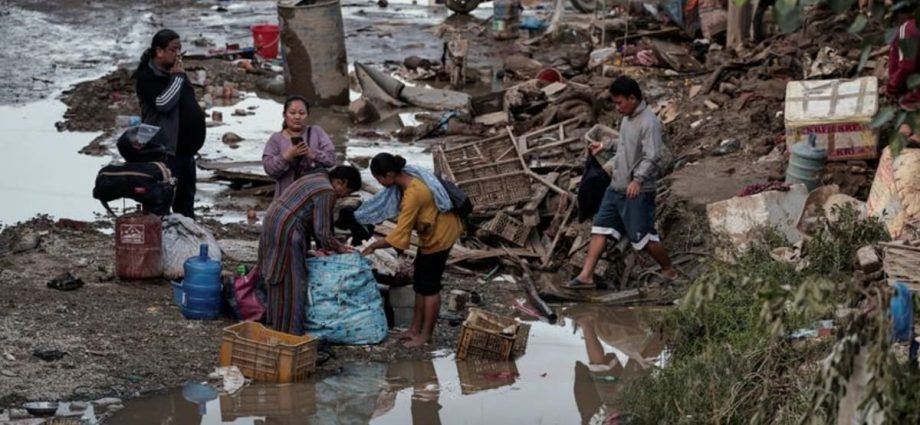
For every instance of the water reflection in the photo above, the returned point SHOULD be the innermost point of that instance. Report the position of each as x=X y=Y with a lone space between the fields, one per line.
x=598 y=380
x=422 y=378
x=570 y=375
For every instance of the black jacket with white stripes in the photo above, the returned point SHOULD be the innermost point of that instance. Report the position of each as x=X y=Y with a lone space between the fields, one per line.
x=168 y=101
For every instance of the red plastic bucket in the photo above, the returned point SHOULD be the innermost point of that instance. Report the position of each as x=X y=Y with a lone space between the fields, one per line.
x=265 y=40
x=550 y=75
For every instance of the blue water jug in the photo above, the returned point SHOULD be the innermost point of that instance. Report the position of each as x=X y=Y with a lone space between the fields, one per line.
x=201 y=294
x=806 y=163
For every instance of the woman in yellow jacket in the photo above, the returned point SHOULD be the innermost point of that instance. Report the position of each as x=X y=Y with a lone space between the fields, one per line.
x=437 y=231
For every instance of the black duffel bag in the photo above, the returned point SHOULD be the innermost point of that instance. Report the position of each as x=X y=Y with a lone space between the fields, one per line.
x=149 y=183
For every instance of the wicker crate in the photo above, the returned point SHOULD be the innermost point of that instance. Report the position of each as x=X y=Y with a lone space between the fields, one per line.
x=480 y=152
x=481 y=375
x=520 y=340
x=553 y=145
x=902 y=264
x=487 y=170
x=489 y=336
x=508 y=228
x=263 y=354
x=498 y=191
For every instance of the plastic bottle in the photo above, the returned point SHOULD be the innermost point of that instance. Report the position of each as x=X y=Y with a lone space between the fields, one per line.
x=127 y=120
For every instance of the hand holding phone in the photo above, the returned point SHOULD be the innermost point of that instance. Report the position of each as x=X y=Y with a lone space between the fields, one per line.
x=297 y=149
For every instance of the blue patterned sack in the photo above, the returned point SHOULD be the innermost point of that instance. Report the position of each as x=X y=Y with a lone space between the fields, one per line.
x=346 y=304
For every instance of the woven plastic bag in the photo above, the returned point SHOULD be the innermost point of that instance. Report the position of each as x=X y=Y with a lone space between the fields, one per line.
x=182 y=238
x=345 y=304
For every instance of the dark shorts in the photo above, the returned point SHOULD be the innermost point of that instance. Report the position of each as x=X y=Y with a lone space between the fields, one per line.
x=429 y=269
x=634 y=218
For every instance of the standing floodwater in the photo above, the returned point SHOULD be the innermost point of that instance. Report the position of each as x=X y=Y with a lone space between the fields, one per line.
x=570 y=374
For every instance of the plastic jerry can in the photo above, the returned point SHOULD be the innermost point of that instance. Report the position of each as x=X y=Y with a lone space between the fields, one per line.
x=138 y=246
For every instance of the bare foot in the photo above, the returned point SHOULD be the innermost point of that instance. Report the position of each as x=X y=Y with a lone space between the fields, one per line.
x=408 y=334
x=415 y=342
x=669 y=274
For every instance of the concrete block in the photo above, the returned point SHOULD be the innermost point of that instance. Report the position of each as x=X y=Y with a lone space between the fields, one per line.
x=742 y=218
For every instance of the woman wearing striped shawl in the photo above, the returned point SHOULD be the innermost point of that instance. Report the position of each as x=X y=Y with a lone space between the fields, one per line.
x=303 y=212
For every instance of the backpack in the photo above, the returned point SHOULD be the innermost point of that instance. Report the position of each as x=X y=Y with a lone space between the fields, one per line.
x=149 y=183
x=462 y=205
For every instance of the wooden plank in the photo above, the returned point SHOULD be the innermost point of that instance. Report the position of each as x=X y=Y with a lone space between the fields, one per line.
x=675 y=56
x=458 y=253
x=263 y=190
x=559 y=231
x=530 y=288
x=531 y=216
x=534 y=244
x=217 y=165
x=246 y=171
x=534 y=175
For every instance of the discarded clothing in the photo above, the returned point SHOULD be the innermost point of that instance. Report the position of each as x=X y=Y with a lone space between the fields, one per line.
x=385 y=204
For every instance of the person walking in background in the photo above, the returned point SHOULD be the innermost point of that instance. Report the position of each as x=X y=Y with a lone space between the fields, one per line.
x=423 y=206
x=167 y=100
x=303 y=212
x=628 y=207
x=904 y=62
x=298 y=148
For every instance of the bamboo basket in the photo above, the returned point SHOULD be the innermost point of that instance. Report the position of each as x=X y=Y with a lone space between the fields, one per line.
x=481 y=375
x=902 y=264
x=498 y=191
x=490 y=336
x=508 y=228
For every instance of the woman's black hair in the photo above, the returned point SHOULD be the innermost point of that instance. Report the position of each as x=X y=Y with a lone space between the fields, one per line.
x=349 y=174
x=289 y=101
x=385 y=162
x=161 y=39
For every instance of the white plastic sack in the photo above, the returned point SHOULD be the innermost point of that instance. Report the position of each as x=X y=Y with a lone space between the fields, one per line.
x=182 y=238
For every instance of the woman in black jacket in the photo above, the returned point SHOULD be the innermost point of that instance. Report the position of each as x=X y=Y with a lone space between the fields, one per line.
x=167 y=100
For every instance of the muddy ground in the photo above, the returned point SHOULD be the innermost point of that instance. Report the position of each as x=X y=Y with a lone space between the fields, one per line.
x=126 y=339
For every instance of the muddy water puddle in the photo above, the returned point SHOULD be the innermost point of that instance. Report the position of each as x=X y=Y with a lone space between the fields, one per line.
x=42 y=171
x=70 y=41
x=570 y=374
